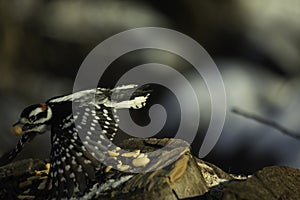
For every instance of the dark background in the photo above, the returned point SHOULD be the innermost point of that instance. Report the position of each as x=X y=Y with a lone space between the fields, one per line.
x=255 y=44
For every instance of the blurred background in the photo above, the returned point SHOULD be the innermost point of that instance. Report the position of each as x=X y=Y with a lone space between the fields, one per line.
x=255 y=44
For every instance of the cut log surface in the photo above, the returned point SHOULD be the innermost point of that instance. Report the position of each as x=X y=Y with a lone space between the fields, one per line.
x=186 y=178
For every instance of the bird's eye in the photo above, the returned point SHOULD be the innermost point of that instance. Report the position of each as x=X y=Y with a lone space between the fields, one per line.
x=32 y=118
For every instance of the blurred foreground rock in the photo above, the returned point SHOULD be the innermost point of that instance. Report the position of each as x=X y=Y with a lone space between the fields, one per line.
x=187 y=178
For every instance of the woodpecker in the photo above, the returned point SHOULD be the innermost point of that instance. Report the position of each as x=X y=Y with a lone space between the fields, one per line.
x=73 y=166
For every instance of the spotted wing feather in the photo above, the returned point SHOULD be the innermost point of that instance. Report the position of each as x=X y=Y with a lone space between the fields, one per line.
x=9 y=156
x=73 y=168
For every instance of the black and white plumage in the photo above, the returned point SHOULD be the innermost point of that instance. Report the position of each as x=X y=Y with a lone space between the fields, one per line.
x=93 y=112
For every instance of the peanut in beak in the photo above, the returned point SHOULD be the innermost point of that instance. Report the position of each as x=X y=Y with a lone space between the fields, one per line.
x=17 y=130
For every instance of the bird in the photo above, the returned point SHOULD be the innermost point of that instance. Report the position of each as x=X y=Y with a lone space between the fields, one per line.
x=83 y=126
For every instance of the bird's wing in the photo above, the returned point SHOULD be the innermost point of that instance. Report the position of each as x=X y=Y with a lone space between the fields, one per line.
x=9 y=156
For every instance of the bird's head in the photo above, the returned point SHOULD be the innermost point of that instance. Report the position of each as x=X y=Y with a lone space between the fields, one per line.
x=35 y=118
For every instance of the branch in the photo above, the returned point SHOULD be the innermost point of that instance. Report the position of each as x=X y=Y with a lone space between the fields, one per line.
x=267 y=122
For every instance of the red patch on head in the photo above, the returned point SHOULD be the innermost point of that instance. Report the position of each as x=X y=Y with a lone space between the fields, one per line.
x=43 y=106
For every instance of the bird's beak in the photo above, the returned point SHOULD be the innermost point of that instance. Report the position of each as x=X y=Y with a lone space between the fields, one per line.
x=17 y=128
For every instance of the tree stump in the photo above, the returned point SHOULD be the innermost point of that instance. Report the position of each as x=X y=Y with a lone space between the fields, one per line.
x=186 y=178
